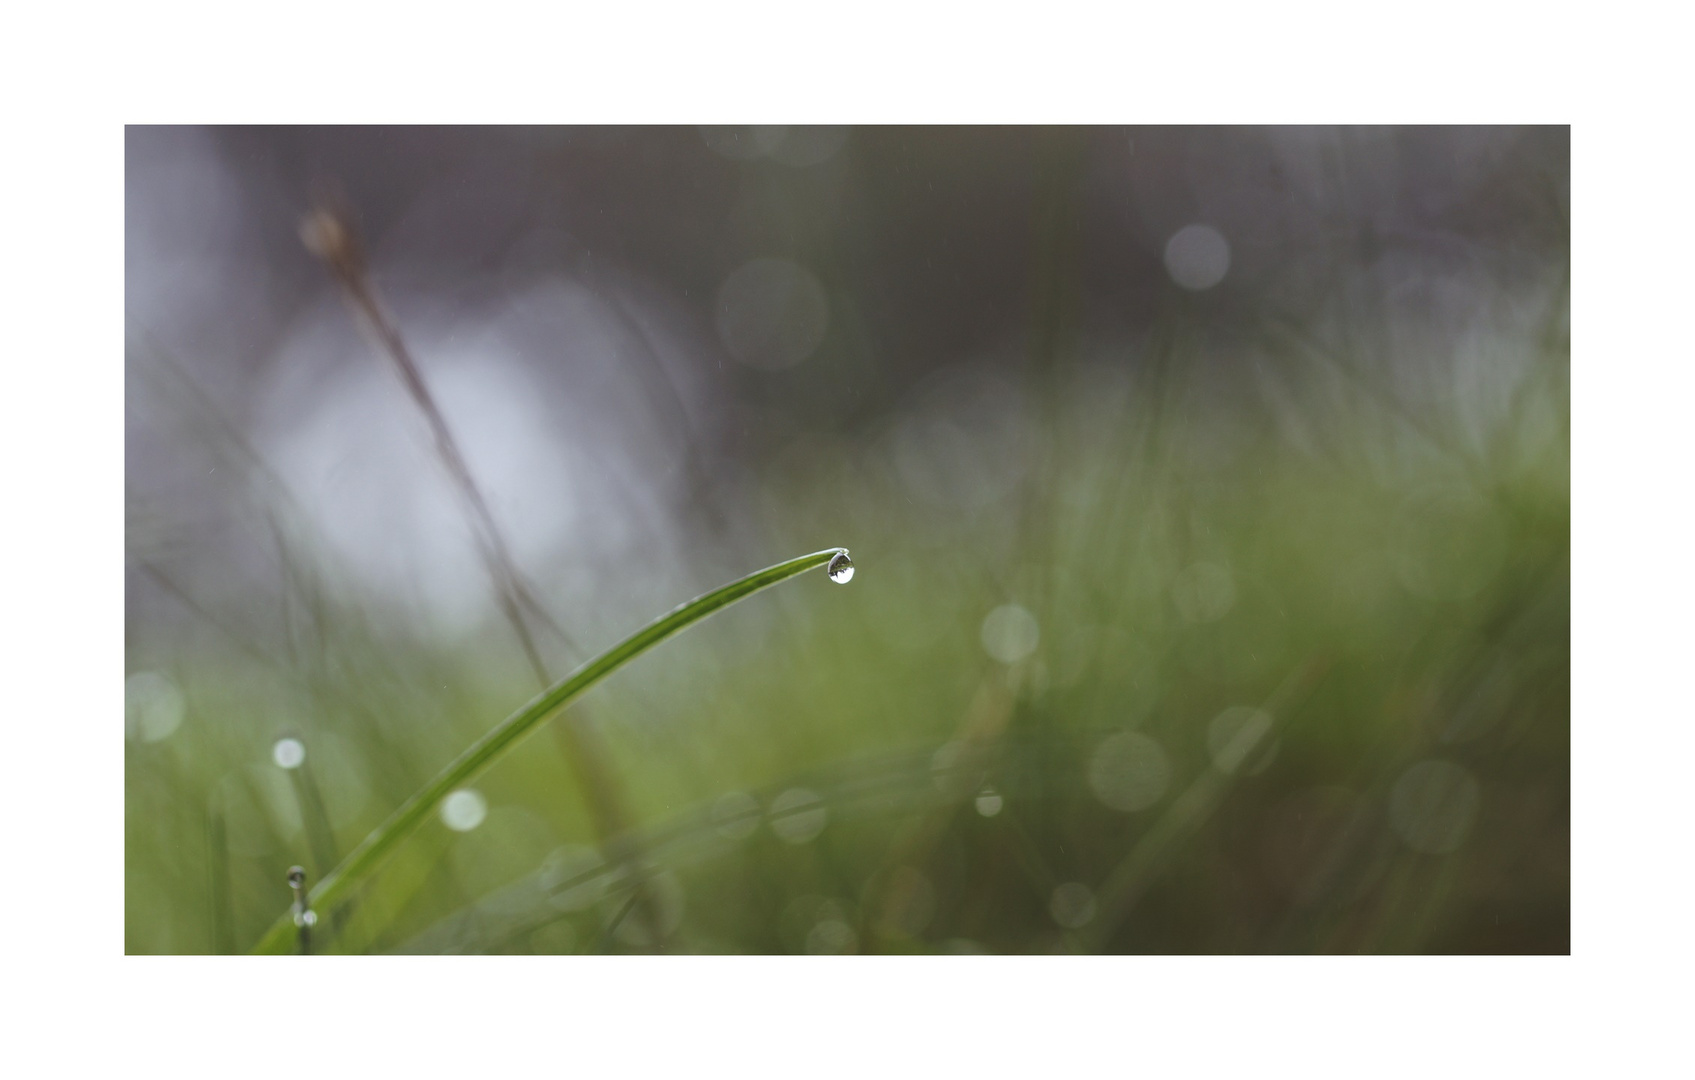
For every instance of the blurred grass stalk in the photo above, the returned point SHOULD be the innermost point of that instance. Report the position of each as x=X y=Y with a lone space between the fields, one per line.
x=1117 y=895
x=330 y=234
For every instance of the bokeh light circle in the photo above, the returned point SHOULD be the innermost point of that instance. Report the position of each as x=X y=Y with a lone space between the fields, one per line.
x=772 y=314
x=288 y=753
x=662 y=909
x=1072 y=905
x=464 y=810
x=153 y=707
x=1197 y=257
x=1129 y=772
x=736 y=815
x=831 y=937
x=798 y=816
x=1010 y=633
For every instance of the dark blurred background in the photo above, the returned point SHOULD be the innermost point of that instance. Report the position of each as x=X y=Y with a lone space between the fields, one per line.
x=1208 y=489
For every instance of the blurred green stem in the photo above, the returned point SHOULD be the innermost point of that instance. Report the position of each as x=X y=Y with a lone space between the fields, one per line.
x=365 y=858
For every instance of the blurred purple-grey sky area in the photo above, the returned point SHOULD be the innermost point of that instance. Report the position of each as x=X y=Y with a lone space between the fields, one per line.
x=626 y=326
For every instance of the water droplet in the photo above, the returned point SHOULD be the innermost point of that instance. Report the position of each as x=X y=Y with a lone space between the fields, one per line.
x=840 y=568
x=304 y=917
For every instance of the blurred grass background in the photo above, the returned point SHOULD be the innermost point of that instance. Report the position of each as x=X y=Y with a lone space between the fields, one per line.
x=1208 y=600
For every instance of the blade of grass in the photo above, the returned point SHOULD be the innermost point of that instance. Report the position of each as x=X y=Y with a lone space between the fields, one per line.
x=485 y=751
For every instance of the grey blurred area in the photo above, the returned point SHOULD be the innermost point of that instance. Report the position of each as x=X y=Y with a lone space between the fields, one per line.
x=628 y=325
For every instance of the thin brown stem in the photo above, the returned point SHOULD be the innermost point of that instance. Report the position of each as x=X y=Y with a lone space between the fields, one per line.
x=331 y=236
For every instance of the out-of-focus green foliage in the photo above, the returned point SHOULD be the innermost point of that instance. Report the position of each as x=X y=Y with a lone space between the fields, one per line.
x=1214 y=600
x=855 y=769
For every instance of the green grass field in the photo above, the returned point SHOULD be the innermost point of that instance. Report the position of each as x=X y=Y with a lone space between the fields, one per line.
x=1138 y=657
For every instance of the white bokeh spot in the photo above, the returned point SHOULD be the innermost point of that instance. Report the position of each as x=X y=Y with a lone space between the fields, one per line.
x=464 y=810
x=288 y=753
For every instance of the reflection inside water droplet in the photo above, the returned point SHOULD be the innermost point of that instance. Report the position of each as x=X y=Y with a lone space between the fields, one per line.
x=840 y=569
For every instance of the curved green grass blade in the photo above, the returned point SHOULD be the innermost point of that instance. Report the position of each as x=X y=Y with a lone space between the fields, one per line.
x=485 y=751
